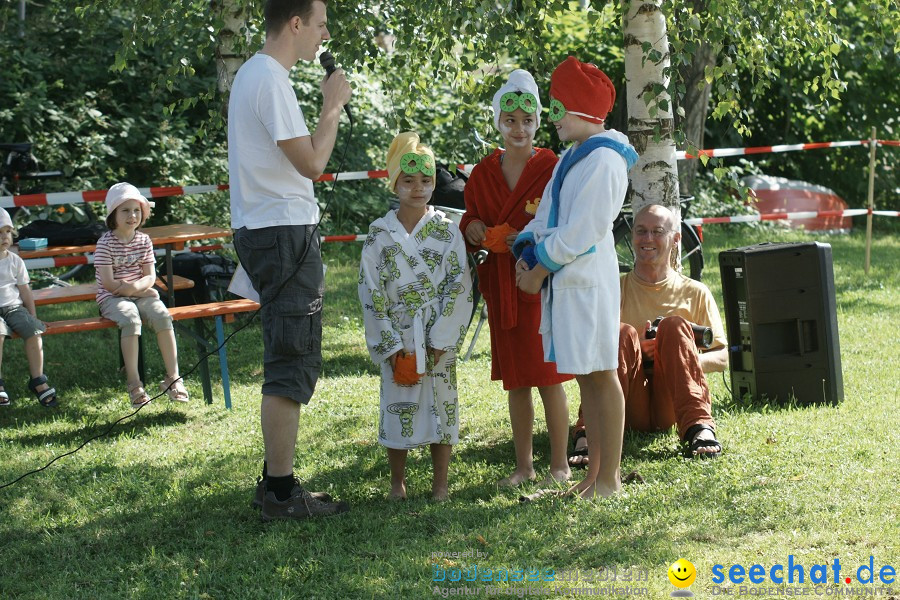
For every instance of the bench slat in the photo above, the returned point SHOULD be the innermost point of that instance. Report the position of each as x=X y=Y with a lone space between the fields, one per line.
x=88 y=291
x=179 y=313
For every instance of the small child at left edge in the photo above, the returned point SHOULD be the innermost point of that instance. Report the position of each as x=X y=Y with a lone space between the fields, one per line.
x=17 y=314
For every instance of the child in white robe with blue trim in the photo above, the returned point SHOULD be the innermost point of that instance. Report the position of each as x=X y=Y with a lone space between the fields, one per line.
x=416 y=292
x=567 y=252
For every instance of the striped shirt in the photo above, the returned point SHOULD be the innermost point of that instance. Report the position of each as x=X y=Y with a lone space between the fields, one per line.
x=126 y=260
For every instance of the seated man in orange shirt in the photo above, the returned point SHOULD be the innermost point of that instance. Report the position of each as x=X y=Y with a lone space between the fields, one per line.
x=674 y=390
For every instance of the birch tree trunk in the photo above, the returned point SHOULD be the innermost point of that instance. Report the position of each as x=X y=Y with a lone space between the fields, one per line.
x=232 y=41
x=695 y=103
x=696 y=107
x=654 y=179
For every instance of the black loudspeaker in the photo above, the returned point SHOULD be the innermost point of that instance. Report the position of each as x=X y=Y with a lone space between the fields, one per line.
x=781 y=322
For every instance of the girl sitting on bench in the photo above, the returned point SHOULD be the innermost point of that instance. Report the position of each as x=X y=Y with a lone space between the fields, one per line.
x=126 y=273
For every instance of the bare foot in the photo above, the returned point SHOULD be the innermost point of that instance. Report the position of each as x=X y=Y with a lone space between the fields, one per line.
x=440 y=493
x=555 y=476
x=398 y=492
x=517 y=478
x=596 y=490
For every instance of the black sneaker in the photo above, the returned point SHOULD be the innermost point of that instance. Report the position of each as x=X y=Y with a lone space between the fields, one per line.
x=260 y=493
x=300 y=505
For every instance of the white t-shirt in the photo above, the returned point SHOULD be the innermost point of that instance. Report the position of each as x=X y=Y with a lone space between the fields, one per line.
x=266 y=189
x=12 y=273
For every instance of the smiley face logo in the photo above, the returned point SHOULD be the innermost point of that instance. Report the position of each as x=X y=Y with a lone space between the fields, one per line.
x=682 y=573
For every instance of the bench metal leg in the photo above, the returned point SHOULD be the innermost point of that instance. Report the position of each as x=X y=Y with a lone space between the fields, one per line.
x=202 y=348
x=223 y=361
x=202 y=337
x=169 y=279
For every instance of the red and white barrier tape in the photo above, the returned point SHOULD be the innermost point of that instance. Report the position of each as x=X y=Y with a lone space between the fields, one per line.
x=852 y=212
x=782 y=148
x=345 y=238
x=87 y=259
x=785 y=216
x=100 y=195
x=165 y=191
x=55 y=198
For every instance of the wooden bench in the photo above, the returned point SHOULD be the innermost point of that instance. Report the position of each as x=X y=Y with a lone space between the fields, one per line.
x=220 y=311
x=88 y=291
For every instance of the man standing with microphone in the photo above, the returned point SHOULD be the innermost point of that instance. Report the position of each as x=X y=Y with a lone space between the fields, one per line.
x=272 y=162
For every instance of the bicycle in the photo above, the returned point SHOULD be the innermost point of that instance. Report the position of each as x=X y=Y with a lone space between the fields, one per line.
x=691 y=241
x=21 y=165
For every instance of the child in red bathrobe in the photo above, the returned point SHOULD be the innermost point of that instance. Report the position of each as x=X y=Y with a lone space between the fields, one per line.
x=501 y=196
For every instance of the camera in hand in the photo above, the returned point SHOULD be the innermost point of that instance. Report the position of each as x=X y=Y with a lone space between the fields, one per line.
x=703 y=336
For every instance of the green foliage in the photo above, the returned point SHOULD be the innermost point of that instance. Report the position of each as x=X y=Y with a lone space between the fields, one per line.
x=794 y=110
x=127 y=90
x=101 y=123
x=798 y=72
x=448 y=63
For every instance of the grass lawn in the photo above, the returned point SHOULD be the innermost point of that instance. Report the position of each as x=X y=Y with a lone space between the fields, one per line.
x=160 y=507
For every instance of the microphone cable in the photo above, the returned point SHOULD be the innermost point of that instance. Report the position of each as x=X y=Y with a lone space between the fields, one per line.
x=250 y=319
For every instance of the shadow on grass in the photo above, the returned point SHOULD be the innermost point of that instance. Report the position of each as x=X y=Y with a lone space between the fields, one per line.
x=346 y=360
x=136 y=425
x=142 y=541
x=764 y=406
x=197 y=529
x=652 y=447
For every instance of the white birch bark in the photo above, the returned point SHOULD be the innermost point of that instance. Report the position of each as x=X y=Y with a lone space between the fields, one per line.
x=232 y=41
x=654 y=179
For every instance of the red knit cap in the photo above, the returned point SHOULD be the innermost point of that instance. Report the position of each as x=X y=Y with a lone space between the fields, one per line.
x=583 y=89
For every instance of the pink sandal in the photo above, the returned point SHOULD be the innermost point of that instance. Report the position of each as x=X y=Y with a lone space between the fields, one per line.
x=175 y=389
x=138 y=395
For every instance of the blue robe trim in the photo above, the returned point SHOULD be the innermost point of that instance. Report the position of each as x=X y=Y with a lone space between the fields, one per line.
x=567 y=162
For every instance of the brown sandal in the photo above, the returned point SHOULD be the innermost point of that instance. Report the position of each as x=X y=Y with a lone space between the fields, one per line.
x=138 y=395
x=174 y=387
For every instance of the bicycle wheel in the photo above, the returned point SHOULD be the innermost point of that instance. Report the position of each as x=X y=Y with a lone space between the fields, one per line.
x=67 y=275
x=622 y=240
x=691 y=248
x=474 y=260
x=691 y=251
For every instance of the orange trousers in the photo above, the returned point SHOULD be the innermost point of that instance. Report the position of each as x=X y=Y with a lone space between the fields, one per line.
x=673 y=392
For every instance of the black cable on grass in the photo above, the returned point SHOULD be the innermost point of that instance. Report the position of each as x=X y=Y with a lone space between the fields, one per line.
x=330 y=197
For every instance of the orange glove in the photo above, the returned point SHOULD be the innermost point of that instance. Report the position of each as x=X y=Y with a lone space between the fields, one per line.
x=495 y=238
x=405 y=369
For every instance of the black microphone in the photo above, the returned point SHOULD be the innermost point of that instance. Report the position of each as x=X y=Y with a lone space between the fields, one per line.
x=326 y=59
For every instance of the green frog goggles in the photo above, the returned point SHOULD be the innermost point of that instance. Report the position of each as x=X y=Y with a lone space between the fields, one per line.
x=411 y=163
x=557 y=110
x=510 y=101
